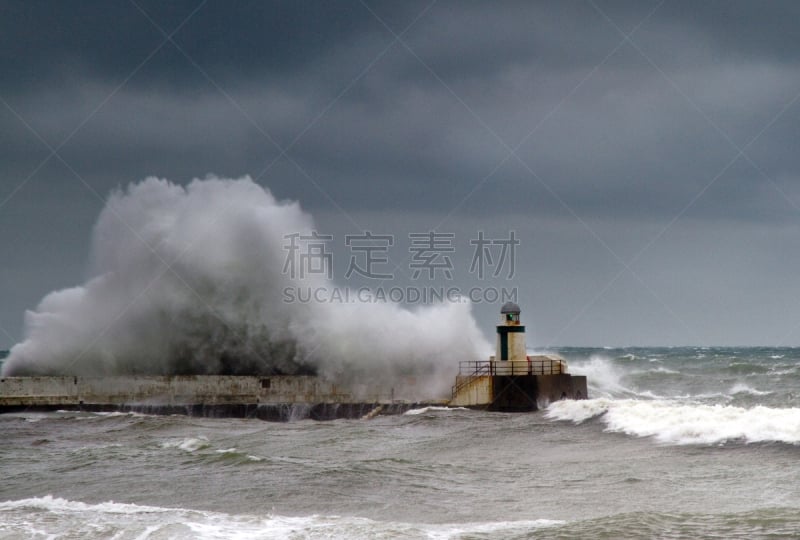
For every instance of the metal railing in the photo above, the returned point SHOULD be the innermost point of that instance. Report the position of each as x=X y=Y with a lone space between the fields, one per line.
x=468 y=371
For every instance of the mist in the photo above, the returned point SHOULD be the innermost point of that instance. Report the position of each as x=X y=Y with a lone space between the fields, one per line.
x=190 y=280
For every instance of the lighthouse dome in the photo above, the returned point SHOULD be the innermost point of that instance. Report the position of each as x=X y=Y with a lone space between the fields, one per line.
x=510 y=307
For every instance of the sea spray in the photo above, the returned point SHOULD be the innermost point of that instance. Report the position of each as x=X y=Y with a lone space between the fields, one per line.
x=604 y=377
x=672 y=422
x=188 y=280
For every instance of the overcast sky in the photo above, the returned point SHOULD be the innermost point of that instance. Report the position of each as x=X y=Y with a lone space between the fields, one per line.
x=645 y=153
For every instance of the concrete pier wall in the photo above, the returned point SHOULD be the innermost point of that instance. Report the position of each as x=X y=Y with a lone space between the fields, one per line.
x=514 y=393
x=277 y=397
x=472 y=390
x=179 y=390
x=270 y=398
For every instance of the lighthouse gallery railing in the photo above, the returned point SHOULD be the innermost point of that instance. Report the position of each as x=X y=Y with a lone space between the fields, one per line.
x=468 y=371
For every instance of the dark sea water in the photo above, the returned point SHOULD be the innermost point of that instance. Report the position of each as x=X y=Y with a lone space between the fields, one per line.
x=675 y=443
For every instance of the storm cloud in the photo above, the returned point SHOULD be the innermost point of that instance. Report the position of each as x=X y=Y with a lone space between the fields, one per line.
x=645 y=152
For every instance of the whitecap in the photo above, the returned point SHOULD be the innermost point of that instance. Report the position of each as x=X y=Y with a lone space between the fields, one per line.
x=667 y=371
x=604 y=377
x=189 y=444
x=57 y=517
x=59 y=505
x=741 y=388
x=679 y=423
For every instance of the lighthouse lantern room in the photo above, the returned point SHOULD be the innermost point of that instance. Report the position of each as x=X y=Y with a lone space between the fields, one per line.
x=510 y=335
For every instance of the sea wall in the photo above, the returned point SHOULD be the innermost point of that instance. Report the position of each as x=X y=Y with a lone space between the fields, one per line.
x=276 y=397
x=270 y=398
x=471 y=390
x=516 y=393
x=176 y=390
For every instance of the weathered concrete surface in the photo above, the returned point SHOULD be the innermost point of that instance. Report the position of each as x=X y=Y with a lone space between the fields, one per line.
x=552 y=388
x=270 y=398
x=472 y=390
x=179 y=390
x=277 y=397
x=517 y=393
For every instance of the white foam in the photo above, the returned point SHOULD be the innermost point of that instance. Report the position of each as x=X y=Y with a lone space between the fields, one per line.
x=128 y=414
x=783 y=369
x=504 y=528
x=433 y=408
x=741 y=388
x=189 y=444
x=56 y=517
x=661 y=369
x=31 y=417
x=673 y=422
x=649 y=395
x=578 y=411
x=605 y=378
x=235 y=452
x=58 y=505
x=705 y=396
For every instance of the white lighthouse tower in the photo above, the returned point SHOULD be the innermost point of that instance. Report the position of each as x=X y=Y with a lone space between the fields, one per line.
x=512 y=380
x=510 y=335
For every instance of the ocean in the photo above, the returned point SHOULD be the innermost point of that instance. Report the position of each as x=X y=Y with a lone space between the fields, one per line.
x=674 y=443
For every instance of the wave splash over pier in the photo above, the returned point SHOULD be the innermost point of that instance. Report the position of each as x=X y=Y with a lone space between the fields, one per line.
x=188 y=280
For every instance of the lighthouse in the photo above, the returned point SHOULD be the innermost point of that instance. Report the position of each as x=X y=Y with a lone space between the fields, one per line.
x=510 y=335
x=511 y=380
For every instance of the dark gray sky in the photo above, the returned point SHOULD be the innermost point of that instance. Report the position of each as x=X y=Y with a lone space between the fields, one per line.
x=646 y=153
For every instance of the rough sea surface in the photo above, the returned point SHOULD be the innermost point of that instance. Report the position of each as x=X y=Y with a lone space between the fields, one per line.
x=675 y=443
